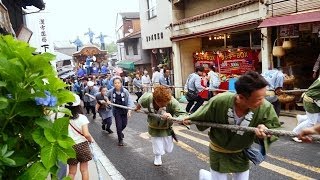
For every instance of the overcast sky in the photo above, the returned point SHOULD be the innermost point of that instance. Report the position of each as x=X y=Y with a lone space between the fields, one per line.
x=69 y=18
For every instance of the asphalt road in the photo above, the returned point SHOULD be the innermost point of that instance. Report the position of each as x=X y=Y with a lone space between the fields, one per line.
x=286 y=160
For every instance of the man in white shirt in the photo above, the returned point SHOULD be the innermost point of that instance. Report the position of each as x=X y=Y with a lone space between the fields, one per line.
x=156 y=76
x=145 y=80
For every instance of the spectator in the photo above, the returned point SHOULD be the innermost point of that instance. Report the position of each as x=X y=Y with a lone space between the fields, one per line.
x=165 y=78
x=146 y=82
x=214 y=80
x=79 y=132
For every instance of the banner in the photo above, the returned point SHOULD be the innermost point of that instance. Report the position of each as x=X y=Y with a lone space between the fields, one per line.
x=237 y=62
x=204 y=59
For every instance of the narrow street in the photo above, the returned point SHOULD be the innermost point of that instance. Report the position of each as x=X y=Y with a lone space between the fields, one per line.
x=286 y=159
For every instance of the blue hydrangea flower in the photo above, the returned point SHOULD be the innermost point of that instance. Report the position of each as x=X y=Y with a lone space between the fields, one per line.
x=49 y=100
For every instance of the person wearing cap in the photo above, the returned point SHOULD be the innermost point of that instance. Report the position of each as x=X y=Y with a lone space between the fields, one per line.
x=89 y=101
x=121 y=96
x=79 y=132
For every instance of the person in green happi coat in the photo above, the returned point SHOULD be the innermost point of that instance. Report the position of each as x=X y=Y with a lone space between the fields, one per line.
x=161 y=102
x=248 y=108
x=311 y=103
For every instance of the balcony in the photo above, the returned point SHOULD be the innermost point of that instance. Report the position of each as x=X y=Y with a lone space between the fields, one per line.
x=282 y=7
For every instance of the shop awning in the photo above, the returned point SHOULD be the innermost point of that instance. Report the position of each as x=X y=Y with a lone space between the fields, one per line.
x=128 y=65
x=291 y=19
x=233 y=27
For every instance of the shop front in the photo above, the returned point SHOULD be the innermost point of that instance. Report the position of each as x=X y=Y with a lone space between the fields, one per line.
x=232 y=54
x=295 y=49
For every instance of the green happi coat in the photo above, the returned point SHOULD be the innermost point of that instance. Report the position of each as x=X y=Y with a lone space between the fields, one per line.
x=220 y=110
x=313 y=92
x=157 y=127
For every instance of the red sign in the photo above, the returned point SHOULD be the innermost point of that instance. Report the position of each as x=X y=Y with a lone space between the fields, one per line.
x=237 y=62
x=204 y=59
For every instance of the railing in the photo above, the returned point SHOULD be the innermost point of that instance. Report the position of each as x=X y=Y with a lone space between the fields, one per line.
x=282 y=7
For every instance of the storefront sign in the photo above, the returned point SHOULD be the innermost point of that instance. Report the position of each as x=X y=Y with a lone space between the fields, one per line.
x=204 y=59
x=291 y=31
x=237 y=62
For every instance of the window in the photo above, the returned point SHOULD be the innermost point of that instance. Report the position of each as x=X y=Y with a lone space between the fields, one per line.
x=127 y=49
x=158 y=35
x=152 y=4
x=147 y=38
x=162 y=35
x=155 y=37
x=135 y=48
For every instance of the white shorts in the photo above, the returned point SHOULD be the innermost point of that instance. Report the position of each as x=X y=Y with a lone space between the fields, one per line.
x=162 y=145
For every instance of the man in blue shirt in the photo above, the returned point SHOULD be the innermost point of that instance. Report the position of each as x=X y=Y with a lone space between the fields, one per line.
x=193 y=87
x=275 y=79
x=165 y=78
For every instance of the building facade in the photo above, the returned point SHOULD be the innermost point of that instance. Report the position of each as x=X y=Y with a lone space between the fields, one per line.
x=130 y=52
x=155 y=18
x=293 y=25
x=212 y=26
x=12 y=15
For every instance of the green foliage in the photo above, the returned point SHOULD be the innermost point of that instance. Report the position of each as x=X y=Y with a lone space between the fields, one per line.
x=111 y=48
x=30 y=145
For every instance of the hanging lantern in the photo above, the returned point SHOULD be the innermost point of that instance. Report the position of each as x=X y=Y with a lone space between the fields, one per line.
x=287 y=44
x=277 y=51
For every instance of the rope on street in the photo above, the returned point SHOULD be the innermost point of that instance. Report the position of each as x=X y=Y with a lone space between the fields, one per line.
x=222 y=126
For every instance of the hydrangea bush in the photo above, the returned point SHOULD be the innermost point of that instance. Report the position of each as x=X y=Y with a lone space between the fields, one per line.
x=31 y=145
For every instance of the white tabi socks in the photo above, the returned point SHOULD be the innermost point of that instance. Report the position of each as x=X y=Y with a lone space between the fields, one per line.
x=157 y=160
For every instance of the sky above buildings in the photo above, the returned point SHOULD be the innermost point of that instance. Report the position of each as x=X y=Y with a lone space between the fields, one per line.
x=68 y=19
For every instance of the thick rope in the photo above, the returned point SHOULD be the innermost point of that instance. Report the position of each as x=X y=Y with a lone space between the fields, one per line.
x=222 y=126
x=224 y=90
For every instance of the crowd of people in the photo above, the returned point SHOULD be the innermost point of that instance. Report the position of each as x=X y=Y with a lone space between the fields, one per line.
x=229 y=150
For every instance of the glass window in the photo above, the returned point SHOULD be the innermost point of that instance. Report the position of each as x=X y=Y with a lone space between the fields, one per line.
x=127 y=49
x=152 y=4
x=135 y=48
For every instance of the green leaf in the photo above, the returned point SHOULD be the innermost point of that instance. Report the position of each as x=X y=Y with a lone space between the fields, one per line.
x=60 y=126
x=20 y=160
x=48 y=155
x=39 y=138
x=67 y=178
x=54 y=172
x=8 y=154
x=65 y=96
x=3 y=84
x=35 y=172
x=4 y=149
x=8 y=161
x=50 y=135
x=3 y=102
x=65 y=154
x=44 y=123
x=65 y=111
x=29 y=109
x=66 y=142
